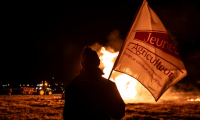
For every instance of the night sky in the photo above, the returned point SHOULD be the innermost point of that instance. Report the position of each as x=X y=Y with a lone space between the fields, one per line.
x=45 y=39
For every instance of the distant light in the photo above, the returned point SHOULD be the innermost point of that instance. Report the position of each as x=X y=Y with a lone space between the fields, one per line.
x=4 y=85
x=61 y=83
x=27 y=85
x=20 y=85
x=40 y=87
x=23 y=84
x=36 y=87
x=42 y=92
x=39 y=84
x=49 y=85
x=8 y=84
x=50 y=93
x=56 y=84
x=55 y=89
x=52 y=78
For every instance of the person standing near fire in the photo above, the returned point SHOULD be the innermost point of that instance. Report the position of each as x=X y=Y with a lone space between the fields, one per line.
x=10 y=91
x=89 y=95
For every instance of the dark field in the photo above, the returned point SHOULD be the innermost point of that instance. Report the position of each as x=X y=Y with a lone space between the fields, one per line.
x=17 y=107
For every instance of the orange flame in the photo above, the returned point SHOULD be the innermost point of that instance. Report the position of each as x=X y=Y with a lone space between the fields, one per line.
x=125 y=84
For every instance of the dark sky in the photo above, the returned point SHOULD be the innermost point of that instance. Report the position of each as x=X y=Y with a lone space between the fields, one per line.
x=45 y=39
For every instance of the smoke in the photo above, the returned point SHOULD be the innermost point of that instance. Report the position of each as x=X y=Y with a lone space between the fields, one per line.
x=180 y=87
x=96 y=47
x=114 y=40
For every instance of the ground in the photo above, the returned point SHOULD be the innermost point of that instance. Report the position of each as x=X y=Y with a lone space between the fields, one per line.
x=51 y=106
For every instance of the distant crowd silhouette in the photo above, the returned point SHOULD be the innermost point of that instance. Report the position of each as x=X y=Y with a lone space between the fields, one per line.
x=89 y=96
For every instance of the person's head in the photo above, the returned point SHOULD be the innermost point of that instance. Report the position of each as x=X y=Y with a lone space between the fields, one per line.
x=89 y=58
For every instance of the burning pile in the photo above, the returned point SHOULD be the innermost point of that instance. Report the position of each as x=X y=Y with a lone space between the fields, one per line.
x=130 y=89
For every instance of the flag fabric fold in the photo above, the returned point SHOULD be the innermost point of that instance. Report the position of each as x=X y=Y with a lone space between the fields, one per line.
x=149 y=55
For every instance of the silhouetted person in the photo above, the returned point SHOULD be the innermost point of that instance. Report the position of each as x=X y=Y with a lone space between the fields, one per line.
x=10 y=91
x=90 y=96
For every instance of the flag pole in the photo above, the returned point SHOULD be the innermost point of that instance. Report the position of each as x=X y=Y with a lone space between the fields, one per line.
x=138 y=10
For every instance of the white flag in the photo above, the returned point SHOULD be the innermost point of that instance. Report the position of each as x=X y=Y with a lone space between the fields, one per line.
x=149 y=55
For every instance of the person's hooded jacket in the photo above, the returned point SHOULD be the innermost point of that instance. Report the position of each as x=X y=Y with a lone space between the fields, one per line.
x=90 y=96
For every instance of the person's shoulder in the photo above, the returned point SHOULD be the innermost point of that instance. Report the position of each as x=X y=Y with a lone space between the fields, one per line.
x=107 y=81
x=70 y=85
x=73 y=81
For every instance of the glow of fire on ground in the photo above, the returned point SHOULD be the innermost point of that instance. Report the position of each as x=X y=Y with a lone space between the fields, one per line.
x=198 y=99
